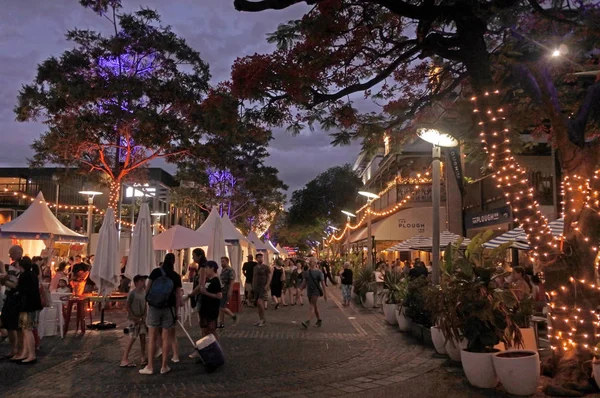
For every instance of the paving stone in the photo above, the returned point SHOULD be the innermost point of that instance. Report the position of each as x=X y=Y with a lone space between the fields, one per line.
x=351 y=389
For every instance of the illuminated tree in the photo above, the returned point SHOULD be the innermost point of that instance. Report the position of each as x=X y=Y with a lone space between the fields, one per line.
x=114 y=103
x=408 y=56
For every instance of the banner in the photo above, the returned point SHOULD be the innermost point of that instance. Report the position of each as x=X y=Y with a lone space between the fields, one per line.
x=455 y=164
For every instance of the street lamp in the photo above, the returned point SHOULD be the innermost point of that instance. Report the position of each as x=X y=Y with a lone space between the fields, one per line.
x=158 y=215
x=90 y=218
x=348 y=217
x=370 y=198
x=438 y=139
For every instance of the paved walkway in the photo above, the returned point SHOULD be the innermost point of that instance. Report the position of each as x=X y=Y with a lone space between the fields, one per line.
x=355 y=354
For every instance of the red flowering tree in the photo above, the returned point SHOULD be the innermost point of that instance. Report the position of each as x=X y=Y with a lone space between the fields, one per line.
x=415 y=57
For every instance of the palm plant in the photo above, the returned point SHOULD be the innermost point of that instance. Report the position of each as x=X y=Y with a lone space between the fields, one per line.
x=364 y=282
x=393 y=287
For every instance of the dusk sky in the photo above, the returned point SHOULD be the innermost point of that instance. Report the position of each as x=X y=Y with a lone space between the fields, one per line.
x=33 y=30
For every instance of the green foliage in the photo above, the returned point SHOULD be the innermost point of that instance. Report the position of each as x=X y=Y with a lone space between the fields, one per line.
x=114 y=103
x=414 y=302
x=395 y=285
x=469 y=303
x=364 y=281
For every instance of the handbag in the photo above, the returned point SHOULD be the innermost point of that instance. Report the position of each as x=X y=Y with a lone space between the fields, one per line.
x=315 y=282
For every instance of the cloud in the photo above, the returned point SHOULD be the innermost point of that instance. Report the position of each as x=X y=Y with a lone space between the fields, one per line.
x=33 y=30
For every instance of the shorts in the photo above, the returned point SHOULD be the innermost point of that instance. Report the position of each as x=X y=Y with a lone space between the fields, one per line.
x=137 y=329
x=224 y=300
x=248 y=288
x=208 y=323
x=160 y=317
x=261 y=294
x=29 y=320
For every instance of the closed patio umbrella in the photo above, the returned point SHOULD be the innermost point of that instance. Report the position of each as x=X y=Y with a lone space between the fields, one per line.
x=141 y=258
x=106 y=269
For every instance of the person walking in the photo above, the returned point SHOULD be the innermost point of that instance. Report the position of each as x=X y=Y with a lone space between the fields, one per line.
x=277 y=282
x=211 y=298
x=10 y=310
x=248 y=271
x=164 y=300
x=261 y=280
x=314 y=281
x=346 y=278
x=227 y=280
x=302 y=268
x=28 y=291
x=294 y=285
x=287 y=283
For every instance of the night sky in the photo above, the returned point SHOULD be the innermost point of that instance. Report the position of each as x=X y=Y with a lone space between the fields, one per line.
x=33 y=30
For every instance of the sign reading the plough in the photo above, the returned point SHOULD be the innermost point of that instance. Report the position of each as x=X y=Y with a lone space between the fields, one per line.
x=419 y=227
x=495 y=216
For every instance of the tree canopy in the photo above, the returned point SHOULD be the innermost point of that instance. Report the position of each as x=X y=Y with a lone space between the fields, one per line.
x=114 y=103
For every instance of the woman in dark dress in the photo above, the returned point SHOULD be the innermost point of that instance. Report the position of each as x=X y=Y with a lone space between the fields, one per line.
x=28 y=290
x=277 y=282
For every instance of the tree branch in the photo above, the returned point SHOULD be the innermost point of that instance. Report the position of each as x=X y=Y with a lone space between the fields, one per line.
x=257 y=6
x=548 y=15
x=321 y=97
x=578 y=124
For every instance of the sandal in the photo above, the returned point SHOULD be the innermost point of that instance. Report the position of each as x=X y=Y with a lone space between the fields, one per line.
x=127 y=365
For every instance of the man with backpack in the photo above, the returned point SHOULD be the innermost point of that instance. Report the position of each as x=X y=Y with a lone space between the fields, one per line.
x=164 y=300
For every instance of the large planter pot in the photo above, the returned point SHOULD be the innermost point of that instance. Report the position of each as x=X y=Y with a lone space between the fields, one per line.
x=370 y=300
x=389 y=310
x=453 y=348
x=518 y=371
x=439 y=341
x=404 y=323
x=479 y=368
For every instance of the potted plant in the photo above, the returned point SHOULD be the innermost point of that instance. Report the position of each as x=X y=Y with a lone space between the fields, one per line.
x=483 y=312
x=414 y=303
x=393 y=293
x=521 y=314
x=364 y=286
x=436 y=305
x=401 y=291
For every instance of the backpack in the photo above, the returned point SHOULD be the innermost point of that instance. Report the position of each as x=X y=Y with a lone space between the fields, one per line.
x=160 y=291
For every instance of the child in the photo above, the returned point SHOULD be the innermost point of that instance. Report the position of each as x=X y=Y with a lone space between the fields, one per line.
x=136 y=313
x=211 y=300
x=63 y=286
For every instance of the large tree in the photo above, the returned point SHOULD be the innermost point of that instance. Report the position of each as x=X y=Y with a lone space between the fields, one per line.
x=408 y=55
x=115 y=103
x=319 y=204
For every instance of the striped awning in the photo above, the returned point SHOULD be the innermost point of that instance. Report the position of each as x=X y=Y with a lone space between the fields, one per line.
x=446 y=238
x=519 y=238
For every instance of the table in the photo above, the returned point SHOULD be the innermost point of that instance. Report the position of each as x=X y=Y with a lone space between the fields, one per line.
x=102 y=325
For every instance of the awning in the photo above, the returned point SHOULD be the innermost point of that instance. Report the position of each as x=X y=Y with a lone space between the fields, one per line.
x=446 y=238
x=408 y=244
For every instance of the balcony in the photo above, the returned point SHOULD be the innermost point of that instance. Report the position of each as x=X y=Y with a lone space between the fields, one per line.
x=420 y=195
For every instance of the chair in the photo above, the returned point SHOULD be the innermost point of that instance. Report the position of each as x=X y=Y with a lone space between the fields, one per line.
x=52 y=320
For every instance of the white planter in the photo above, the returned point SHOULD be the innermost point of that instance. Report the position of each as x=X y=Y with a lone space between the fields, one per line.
x=479 y=368
x=389 y=310
x=404 y=323
x=453 y=348
x=596 y=371
x=439 y=341
x=519 y=375
x=370 y=300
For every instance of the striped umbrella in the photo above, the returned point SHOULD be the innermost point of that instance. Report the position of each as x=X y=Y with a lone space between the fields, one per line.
x=519 y=238
x=408 y=244
x=446 y=238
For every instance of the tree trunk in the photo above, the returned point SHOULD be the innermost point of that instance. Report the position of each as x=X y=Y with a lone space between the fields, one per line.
x=114 y=194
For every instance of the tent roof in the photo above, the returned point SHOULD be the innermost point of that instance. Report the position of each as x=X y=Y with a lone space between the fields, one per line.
x=38 y=222
x=204 y=234
x=174 y=238
x=270 y=246
x=252 y=237
x=230 y=232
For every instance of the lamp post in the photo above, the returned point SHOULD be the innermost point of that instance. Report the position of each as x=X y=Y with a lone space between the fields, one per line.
x=90 y=217
x=348 y=217
x=438 y=139
x=370 y=198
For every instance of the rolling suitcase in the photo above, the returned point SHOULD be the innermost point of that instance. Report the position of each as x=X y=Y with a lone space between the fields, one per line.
x=209 y=350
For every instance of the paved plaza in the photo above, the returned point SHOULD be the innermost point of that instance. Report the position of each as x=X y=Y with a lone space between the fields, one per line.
x=354 y=354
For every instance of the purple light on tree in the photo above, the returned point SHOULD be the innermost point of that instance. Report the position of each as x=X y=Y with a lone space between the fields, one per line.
x=223 y=182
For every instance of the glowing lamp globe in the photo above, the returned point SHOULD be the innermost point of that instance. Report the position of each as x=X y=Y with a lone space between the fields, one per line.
x=437 y=138
x=348 y=213
x=368 y=195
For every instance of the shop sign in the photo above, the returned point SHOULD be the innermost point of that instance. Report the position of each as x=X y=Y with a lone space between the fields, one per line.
x=404 y=224
x=501 y=215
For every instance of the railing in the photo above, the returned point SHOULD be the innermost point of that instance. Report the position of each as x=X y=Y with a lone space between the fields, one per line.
x=420 y=194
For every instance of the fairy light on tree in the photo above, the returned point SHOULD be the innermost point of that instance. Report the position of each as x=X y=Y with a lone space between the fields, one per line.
x=113 y=104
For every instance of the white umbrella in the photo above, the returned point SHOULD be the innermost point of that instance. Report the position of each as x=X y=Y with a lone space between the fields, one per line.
x=407 y=245
x=216 y=246
x=446 y=238
x=141 y=260
x=106 y=269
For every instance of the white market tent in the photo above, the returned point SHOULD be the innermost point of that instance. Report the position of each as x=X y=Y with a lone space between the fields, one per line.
x=175 y=238
x=282 y=253
x=262 y=247
x=38 y=228
x=271 y=247
x=239 y=247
